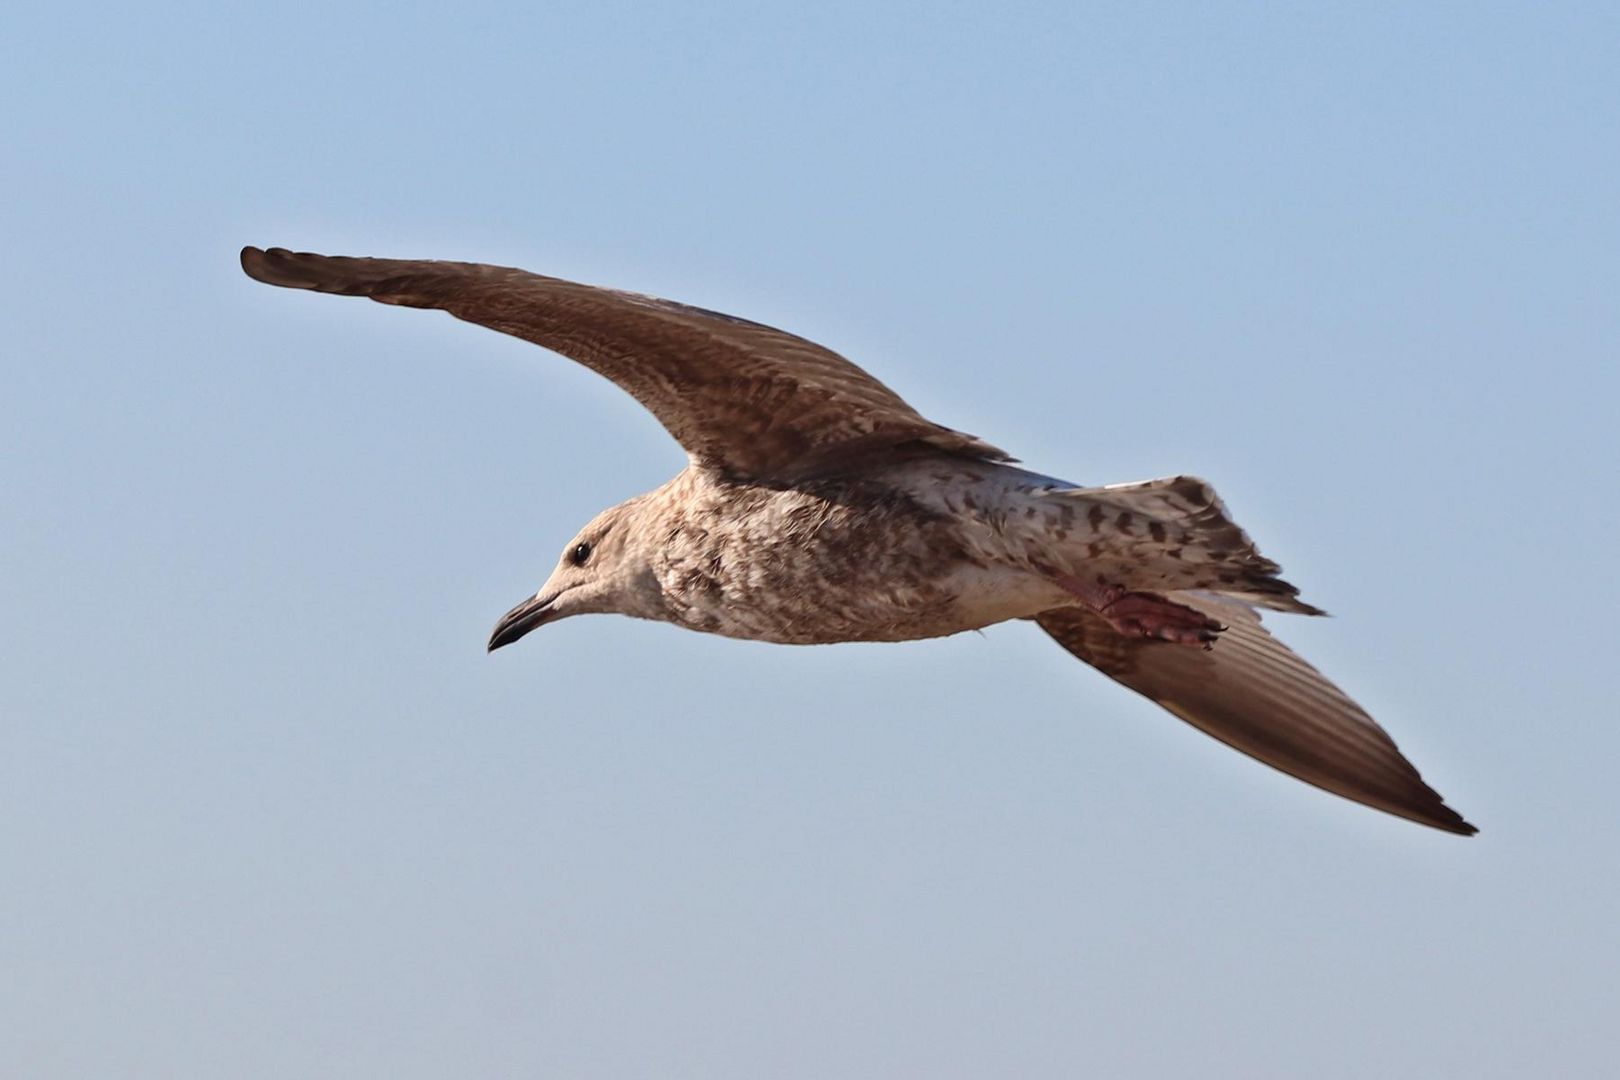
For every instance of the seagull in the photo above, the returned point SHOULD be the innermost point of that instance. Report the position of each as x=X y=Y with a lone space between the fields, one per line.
x=818 y=507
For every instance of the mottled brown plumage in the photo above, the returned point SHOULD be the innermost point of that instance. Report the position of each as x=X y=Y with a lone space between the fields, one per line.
x=819 y=507
x=742 y=398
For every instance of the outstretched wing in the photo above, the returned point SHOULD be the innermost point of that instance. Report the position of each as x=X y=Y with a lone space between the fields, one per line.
x=742 y=398
x=1253 y=693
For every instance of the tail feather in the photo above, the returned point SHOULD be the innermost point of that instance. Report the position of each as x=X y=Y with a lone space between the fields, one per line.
x=1175 y=533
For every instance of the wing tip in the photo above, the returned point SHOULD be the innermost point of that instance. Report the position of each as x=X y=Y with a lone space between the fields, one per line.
x=278 y=266
x=1448 y=820
x=407 y=283
x=252 y=258
x=1418 y=802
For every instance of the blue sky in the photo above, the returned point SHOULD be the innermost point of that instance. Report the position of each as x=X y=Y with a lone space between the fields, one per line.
x=268 y=809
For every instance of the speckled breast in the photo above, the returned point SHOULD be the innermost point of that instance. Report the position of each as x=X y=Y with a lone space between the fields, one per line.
x=877 y=558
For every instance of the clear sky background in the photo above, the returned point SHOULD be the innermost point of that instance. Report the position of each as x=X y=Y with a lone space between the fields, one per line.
x=268 y=810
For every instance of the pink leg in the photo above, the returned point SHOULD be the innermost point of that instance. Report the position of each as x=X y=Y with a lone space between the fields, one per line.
x=1144 y=614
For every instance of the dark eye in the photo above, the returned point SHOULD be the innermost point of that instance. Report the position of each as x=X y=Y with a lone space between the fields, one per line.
x=580 y=553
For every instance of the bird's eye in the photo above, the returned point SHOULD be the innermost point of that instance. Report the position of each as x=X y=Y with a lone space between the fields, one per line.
x=580 y=553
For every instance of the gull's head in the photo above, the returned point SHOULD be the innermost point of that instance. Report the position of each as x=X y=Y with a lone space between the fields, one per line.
x=603 y=569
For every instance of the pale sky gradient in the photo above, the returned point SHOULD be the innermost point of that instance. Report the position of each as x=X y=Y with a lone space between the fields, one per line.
x=268 y=810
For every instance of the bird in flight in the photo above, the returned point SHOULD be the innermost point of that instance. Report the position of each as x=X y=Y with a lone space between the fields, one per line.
x=818 y=507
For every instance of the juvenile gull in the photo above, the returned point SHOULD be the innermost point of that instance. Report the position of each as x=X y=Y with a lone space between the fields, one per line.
x=817 y=507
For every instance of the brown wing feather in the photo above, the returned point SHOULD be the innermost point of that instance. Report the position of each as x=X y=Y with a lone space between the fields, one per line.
x=740 y=397
x=1253 y=693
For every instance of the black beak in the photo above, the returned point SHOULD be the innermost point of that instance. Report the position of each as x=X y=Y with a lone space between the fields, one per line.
x=532 y=613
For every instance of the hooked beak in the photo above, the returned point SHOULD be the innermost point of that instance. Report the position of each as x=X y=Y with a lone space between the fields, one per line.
x=534 y=612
